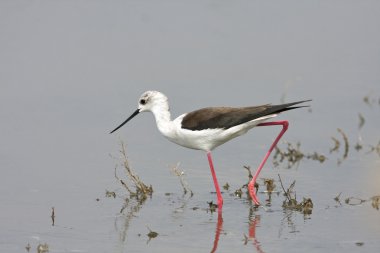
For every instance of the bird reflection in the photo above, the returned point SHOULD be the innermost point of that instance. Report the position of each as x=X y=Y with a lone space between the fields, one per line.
x=254 y=221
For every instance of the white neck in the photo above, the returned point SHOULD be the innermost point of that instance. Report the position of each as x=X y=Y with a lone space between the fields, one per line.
x=163 y=119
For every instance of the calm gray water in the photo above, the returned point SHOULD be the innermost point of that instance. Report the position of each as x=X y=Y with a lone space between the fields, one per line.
x=71 y=71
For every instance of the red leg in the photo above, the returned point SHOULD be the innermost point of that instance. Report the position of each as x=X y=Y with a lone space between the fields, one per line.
x=218 y=193
x=251 y=184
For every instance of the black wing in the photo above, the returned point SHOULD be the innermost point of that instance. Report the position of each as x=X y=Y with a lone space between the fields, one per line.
x=226 y=117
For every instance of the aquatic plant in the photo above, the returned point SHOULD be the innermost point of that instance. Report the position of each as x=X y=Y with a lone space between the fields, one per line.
x=293 y=155
x=141 y=190
x=305 y=206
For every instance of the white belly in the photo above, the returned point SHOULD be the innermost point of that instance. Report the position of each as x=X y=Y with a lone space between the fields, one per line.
x=208 y=139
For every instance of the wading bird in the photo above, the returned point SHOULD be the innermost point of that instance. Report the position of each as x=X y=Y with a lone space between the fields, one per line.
x=207 y=128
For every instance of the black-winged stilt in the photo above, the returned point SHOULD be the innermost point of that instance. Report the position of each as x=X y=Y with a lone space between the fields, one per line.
x=207 y=128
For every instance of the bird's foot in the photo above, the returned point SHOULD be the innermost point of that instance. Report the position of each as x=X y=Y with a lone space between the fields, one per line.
x=252 y=192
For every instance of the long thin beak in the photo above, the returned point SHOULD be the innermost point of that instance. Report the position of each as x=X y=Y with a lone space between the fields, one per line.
x=130 y=117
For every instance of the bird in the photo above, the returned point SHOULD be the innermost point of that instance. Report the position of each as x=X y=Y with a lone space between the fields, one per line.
x=207 y=128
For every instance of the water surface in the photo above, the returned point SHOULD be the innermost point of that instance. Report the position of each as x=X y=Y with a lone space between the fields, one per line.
x=71 y=71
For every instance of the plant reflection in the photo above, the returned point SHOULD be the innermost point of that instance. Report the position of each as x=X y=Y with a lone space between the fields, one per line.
x=128 y=211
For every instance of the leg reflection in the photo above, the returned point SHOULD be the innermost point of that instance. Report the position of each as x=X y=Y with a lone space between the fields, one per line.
x=254 y=221
x=219 y=228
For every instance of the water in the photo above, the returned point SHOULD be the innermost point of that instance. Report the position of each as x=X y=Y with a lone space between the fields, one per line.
x=72 y=71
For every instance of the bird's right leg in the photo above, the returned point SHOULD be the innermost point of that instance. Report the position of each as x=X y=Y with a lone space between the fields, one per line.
x=251 y=184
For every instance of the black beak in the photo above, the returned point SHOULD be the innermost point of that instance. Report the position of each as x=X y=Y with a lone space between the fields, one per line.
x=130 y=117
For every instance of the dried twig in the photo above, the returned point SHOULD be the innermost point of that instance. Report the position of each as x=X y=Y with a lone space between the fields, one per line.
x=361 y=121
x=337 y=198
x=346 y=144
x=286 y=192
x=52 y=216
x=180 y=174
x=336 y=145
x=141 y=189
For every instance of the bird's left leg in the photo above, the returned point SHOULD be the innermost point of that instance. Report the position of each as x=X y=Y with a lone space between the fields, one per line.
x=218 y=193
x=251 y=184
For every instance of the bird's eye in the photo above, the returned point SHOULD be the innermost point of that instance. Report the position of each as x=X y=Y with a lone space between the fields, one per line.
x=142 y=101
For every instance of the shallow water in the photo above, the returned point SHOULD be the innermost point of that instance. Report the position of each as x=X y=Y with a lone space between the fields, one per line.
x=72 y=71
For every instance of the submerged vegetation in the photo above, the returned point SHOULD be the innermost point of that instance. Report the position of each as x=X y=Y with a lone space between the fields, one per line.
x=375 y=148
x=152 y=234
x=43 y=248
x=293 y=155
x=355 y=201
x=337 y=146
x=305 y=206
x=290 y=202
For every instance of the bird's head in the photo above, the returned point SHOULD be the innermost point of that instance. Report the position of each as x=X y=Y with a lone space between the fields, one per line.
x=148 y=102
